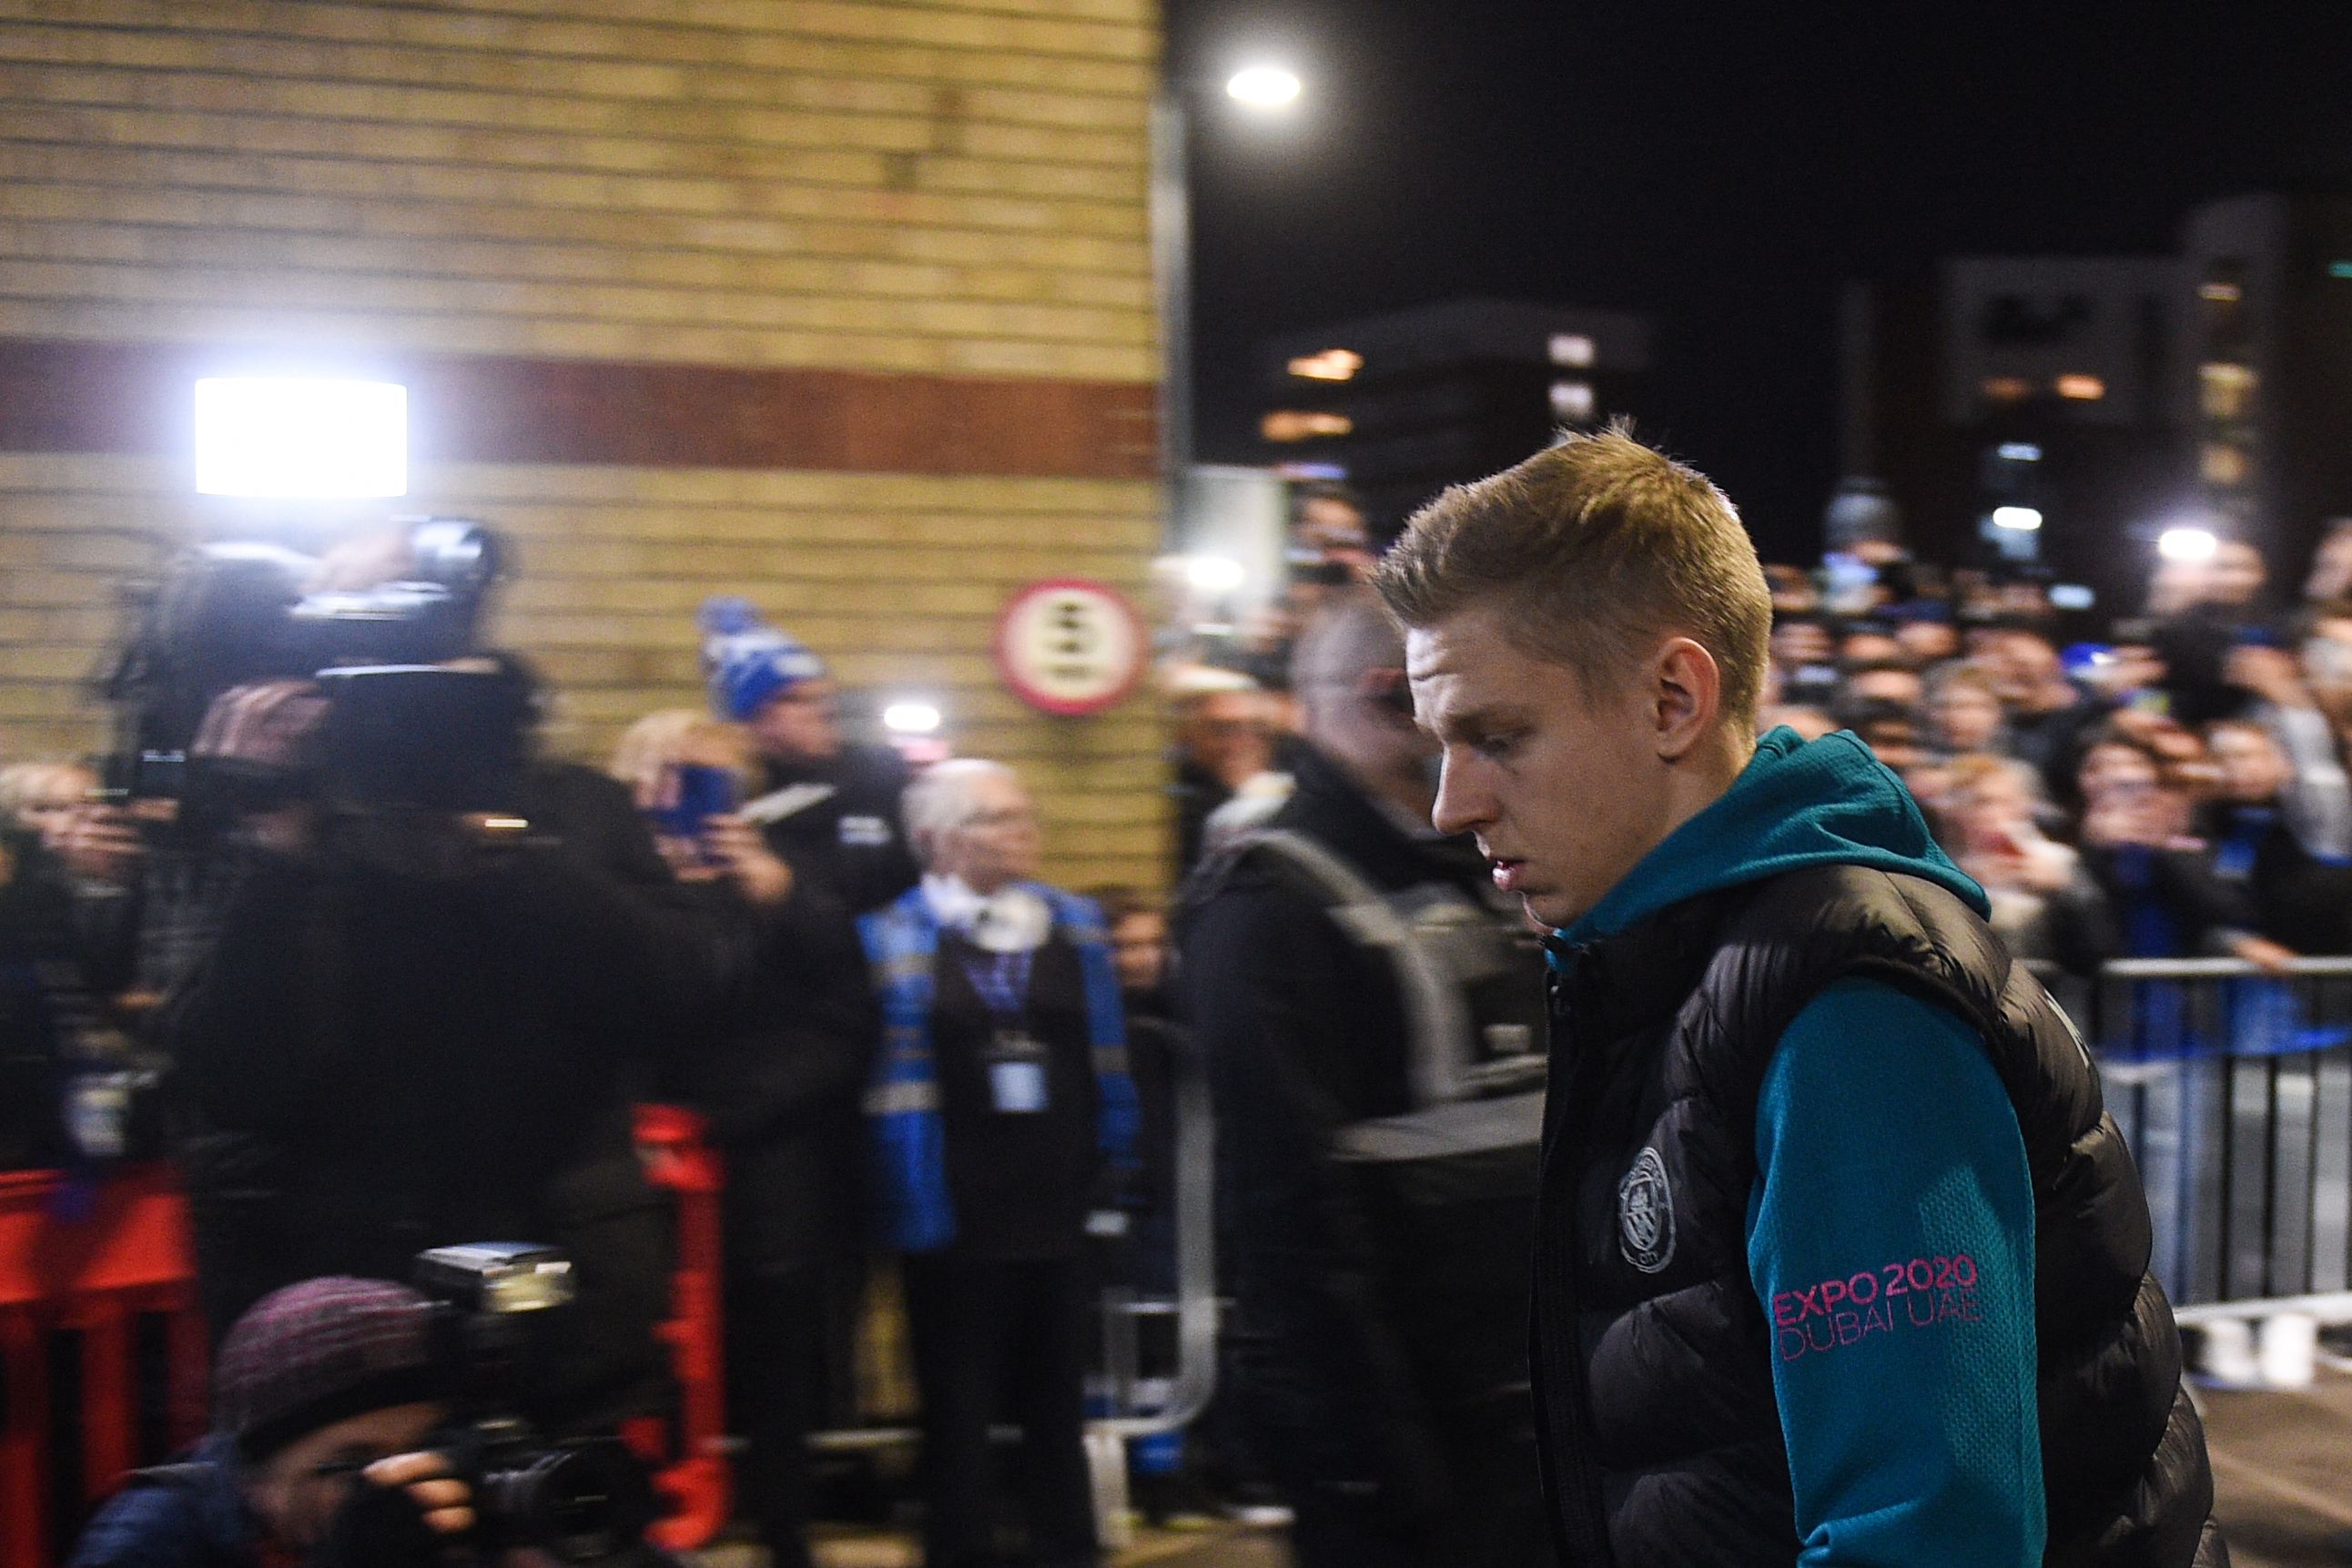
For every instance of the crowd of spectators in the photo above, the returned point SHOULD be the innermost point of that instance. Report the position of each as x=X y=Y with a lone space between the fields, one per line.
x=377 y=1042
x=386 y=1030
x=2164 y=784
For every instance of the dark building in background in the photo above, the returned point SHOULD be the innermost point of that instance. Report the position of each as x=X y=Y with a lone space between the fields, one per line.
x=1406 y=403
x=2271 y=340
x=2026 y=412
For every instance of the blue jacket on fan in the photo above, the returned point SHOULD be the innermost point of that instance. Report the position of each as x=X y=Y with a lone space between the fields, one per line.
x=905 y=1134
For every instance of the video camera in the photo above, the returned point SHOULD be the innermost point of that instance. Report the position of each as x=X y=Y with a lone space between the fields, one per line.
x=402 y=729
x=584 y=1501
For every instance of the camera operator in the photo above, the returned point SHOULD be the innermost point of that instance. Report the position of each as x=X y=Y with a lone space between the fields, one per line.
x=415 y=1026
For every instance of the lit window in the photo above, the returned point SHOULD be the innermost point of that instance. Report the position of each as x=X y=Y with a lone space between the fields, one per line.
x=1330 y=365
x=2221 y=293
x=2218 y=463
x=1572 y=401
x=2225 y=389
x=294 y=439
x=2005 y=389
x=2019 y=452
x=2082 y=389
x=1571 y=349
x=2019 y=519
x=1286 y=424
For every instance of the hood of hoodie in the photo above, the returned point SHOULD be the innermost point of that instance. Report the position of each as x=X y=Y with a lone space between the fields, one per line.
x=1797 y=803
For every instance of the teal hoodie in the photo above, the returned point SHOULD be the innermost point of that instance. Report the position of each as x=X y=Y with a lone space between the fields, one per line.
x=1887 y=1154
x=1829 y=802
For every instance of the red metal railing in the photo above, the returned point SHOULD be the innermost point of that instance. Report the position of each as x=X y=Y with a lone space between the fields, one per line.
x=95 y=1267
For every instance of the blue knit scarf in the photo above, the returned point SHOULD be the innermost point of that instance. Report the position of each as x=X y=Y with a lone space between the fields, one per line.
x=902 y=1100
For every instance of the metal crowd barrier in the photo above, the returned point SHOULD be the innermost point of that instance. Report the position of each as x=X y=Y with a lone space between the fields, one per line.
x=2233 y=1088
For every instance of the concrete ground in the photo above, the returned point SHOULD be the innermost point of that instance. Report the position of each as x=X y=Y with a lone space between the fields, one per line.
x=2282 y=1466
x=1222 y=1546
x=2282 y=1473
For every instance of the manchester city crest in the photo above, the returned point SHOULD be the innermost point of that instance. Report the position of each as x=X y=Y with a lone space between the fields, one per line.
x=1645 y=1214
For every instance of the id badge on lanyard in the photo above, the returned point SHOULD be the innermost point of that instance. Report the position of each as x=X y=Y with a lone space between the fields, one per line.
x=1016 y=1059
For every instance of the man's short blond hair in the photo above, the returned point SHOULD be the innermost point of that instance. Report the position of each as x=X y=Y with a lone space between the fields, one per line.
x=1592 y=552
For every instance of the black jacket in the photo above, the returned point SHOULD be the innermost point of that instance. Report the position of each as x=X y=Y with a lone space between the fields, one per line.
x=375 y=1059
x=1662 y=1437
x=2299 y=900
x=1303 y=1032
x=790 y=1048
x=39 y=984
x=2092 y=917
x=837 y=825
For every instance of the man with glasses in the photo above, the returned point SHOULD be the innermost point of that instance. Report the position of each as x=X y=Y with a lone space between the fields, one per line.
x=999 y=1096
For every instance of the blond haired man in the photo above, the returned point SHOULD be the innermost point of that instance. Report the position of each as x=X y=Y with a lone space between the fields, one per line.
x=1837 y=1261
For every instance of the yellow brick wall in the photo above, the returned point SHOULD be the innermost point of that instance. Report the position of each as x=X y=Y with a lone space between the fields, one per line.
x=950 y=186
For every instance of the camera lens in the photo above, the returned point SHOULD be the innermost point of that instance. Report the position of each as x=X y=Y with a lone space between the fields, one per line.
x=579 y=1502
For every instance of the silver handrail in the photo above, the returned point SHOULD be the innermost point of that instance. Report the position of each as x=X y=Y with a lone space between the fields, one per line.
x=2233 y=1084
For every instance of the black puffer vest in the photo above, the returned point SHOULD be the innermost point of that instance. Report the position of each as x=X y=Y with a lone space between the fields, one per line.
x=1653 y=1356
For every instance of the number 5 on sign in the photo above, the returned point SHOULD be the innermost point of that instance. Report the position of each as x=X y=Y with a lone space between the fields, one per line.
x=1070 y=646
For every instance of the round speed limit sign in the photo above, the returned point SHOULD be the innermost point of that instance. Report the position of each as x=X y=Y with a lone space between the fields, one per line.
x=1070 y=646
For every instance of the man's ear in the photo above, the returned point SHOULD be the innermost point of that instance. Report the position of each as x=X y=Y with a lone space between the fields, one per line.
x=1685 y=696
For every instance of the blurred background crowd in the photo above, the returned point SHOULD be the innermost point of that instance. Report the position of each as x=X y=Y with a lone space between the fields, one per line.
x=2165 y=783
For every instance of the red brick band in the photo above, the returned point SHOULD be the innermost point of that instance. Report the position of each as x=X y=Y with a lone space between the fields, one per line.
x=66 y=395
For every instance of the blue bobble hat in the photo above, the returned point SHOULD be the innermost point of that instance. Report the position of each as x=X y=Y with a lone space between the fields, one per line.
x=747 y=662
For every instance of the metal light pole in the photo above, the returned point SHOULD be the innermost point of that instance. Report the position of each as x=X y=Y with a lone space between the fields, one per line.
x=1262 y=88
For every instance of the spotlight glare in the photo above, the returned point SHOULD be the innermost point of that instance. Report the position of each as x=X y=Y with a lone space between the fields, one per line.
x=1213 y=573
x=911 y=719
x=2023 y=519
x=289 y=438
x=2187 y=544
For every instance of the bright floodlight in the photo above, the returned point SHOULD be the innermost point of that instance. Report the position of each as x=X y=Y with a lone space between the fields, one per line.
x=2187 y=544
x=1212 y=573
x=1264 y=87
x=911 y=719
x=2024 y=520
x=294 y=439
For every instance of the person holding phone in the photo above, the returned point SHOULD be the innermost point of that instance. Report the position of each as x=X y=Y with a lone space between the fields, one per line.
x=827 y=806
x=776 y=1077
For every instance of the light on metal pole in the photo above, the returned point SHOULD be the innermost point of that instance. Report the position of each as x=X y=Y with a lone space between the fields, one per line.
x=1260 y=87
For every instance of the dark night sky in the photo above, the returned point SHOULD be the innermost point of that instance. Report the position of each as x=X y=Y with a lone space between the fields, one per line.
x=1723 y=167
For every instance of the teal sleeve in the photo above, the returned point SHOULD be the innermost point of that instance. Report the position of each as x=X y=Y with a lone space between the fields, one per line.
x=1890 y=1239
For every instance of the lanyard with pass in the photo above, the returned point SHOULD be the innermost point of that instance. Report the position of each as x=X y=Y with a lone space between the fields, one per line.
x=1014 y=1056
